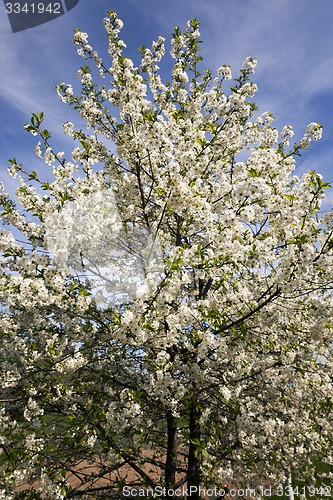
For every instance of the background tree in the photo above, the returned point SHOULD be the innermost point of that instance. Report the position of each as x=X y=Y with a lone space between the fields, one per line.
x=219 y=368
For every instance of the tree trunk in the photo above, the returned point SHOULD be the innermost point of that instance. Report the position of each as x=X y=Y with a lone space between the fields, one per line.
x=288 y=487
x=194 y=469
x=171 y=459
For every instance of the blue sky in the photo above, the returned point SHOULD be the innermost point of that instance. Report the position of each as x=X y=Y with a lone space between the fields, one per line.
x=292 y=40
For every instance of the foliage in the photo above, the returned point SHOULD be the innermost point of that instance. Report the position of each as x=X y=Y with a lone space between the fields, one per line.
x=218 y=367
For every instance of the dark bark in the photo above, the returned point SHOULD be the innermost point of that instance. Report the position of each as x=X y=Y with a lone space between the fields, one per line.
x=180 y=221
x=194 y=465
x=171 y=459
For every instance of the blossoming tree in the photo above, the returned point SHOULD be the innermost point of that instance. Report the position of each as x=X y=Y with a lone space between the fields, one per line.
x=218 y=369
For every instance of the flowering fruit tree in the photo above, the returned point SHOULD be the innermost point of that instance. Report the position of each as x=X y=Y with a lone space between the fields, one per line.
x=167 y=309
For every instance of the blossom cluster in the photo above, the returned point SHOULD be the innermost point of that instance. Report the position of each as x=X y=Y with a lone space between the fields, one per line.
x=212 y=260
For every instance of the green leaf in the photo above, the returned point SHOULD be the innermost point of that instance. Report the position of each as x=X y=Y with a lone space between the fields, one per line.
x=8 y=252
x=253 y=172
x=202 y=142
x=33 y=175
x=45 y=134
x=195 y=441
x=149 y=117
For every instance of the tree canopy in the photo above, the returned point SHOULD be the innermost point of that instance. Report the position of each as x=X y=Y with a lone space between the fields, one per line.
x=167 y=318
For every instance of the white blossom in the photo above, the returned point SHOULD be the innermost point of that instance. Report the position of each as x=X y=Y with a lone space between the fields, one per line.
x=170 y=284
